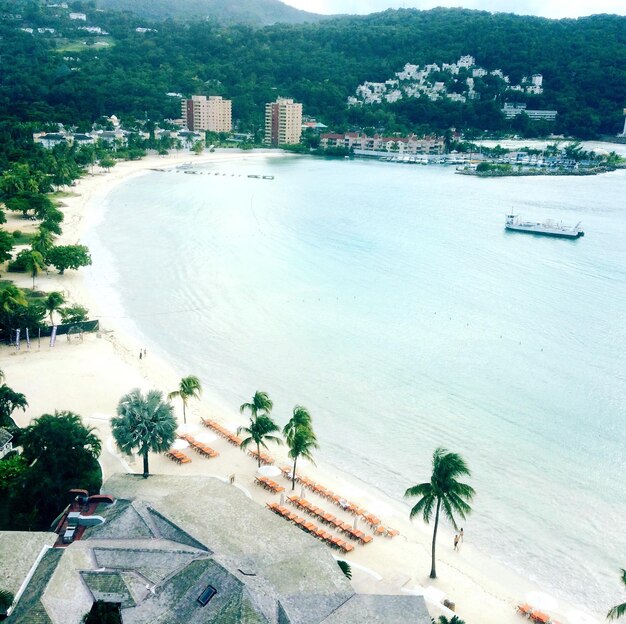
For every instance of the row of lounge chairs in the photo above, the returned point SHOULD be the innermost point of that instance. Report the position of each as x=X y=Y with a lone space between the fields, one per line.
x=328 y=518
x=230 y=437
x=346 y=505
x=270 y=485
x=178 y=456
x=539 y=617
x=199 y=447
x=263 y=457
x=305 y=525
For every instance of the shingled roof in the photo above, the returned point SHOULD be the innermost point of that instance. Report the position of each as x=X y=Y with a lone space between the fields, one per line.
x=167 y=540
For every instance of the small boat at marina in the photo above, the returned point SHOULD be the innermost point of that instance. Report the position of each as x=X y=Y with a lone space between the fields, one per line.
x=268 y=177
x=545 y=228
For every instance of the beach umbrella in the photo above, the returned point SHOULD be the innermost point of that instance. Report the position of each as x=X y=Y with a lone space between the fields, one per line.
x=541 y=600
x=282 y=498
x=269 y=471
x=356 y=521
x=188 y=428
x=179 y=444
x=206 y=437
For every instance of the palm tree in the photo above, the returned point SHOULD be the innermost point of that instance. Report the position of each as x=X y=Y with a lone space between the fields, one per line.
x=619 y=610
x=10 y=400
x=453 y=620
x=12 y=299
x=144 y=423
x=302 y=443
x=42 y=241
x=300 y=418
x=260 y=431
x=261 y=404
x=443 y=490
x=189 y=388
x=53 y=302
x=34 y=263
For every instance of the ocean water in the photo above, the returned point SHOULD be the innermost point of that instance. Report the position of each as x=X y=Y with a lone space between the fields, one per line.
x=390 y=301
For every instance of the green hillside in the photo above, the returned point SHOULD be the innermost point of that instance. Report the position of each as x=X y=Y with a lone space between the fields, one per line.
x=583 y=63
x=255 y=12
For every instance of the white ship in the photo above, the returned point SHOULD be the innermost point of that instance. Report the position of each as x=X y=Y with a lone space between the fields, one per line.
x=546 y=228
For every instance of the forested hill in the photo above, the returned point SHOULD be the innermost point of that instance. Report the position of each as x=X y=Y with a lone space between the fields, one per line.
x=254 y=12
x=72 y=75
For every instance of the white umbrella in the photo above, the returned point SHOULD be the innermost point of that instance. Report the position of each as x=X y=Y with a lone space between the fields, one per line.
x=206 y=437
x=188 y=428
x=541 y=600
x=269 y=471
x=179 y=444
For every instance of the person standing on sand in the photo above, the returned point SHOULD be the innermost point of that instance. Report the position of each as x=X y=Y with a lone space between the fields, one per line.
x=456 y=541
x=461 y=535
x=140 y=353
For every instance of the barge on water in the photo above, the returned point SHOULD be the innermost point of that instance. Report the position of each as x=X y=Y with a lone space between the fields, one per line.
x=545 y=228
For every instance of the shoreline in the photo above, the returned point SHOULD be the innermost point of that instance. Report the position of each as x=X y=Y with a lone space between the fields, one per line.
x=484 y=591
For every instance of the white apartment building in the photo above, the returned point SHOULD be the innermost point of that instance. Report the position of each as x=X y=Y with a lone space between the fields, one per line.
x=513 y=110
x=401 y=145
x=213 y=113
x=283 y=122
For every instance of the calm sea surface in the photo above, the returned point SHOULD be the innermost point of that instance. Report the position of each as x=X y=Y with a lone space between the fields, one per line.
x=390 y=301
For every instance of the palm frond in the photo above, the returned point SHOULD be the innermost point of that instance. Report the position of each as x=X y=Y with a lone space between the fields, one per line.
x=616 y=612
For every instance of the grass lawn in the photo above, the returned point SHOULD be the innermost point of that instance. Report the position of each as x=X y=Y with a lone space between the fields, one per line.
x=80 y=46
x=23 y=239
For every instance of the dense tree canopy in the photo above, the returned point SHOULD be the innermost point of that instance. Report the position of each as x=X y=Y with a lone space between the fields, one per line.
x=61 y=454
x=583 y=62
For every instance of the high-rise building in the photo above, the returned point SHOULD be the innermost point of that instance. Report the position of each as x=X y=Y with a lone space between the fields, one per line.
x=283 y=122
x=213 y=113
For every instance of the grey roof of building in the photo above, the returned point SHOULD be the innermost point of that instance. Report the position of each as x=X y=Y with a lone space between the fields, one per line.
x=5 y=437
x=13 y=568
x=263 y=570
x=29 y=609
x=377 y=609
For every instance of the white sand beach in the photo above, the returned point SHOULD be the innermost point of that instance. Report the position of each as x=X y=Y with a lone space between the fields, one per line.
x=89 y=376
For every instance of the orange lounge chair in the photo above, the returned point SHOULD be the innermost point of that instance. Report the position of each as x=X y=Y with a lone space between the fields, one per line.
x=540 y=617
x=524 y=609
x=366 y=539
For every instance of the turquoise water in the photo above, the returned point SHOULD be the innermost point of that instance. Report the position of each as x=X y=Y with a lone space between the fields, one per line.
x=389 y=300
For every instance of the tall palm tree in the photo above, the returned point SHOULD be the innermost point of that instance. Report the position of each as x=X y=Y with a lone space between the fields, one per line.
x=261 y=404
x=443 y=491
x=53 y=303
x=144 y=423
x=10 y=400
x=189 y=388
x=260 y=431
x=12 y=299
x=619 y=610
x=42 y=241
x=302 y=444
x=34 y=264
x=300 y=418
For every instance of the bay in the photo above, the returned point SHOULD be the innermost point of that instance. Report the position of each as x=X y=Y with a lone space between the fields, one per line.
x=389 y=300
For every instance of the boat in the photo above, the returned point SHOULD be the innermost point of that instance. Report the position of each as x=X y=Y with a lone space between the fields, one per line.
x=268 y=177
x=546 y=228
x=186 y=165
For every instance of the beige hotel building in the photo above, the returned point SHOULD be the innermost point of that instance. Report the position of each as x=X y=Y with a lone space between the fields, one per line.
x=213 y=113
x=283 y=122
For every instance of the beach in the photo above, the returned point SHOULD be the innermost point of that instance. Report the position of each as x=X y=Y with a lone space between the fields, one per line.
x=89 y=376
